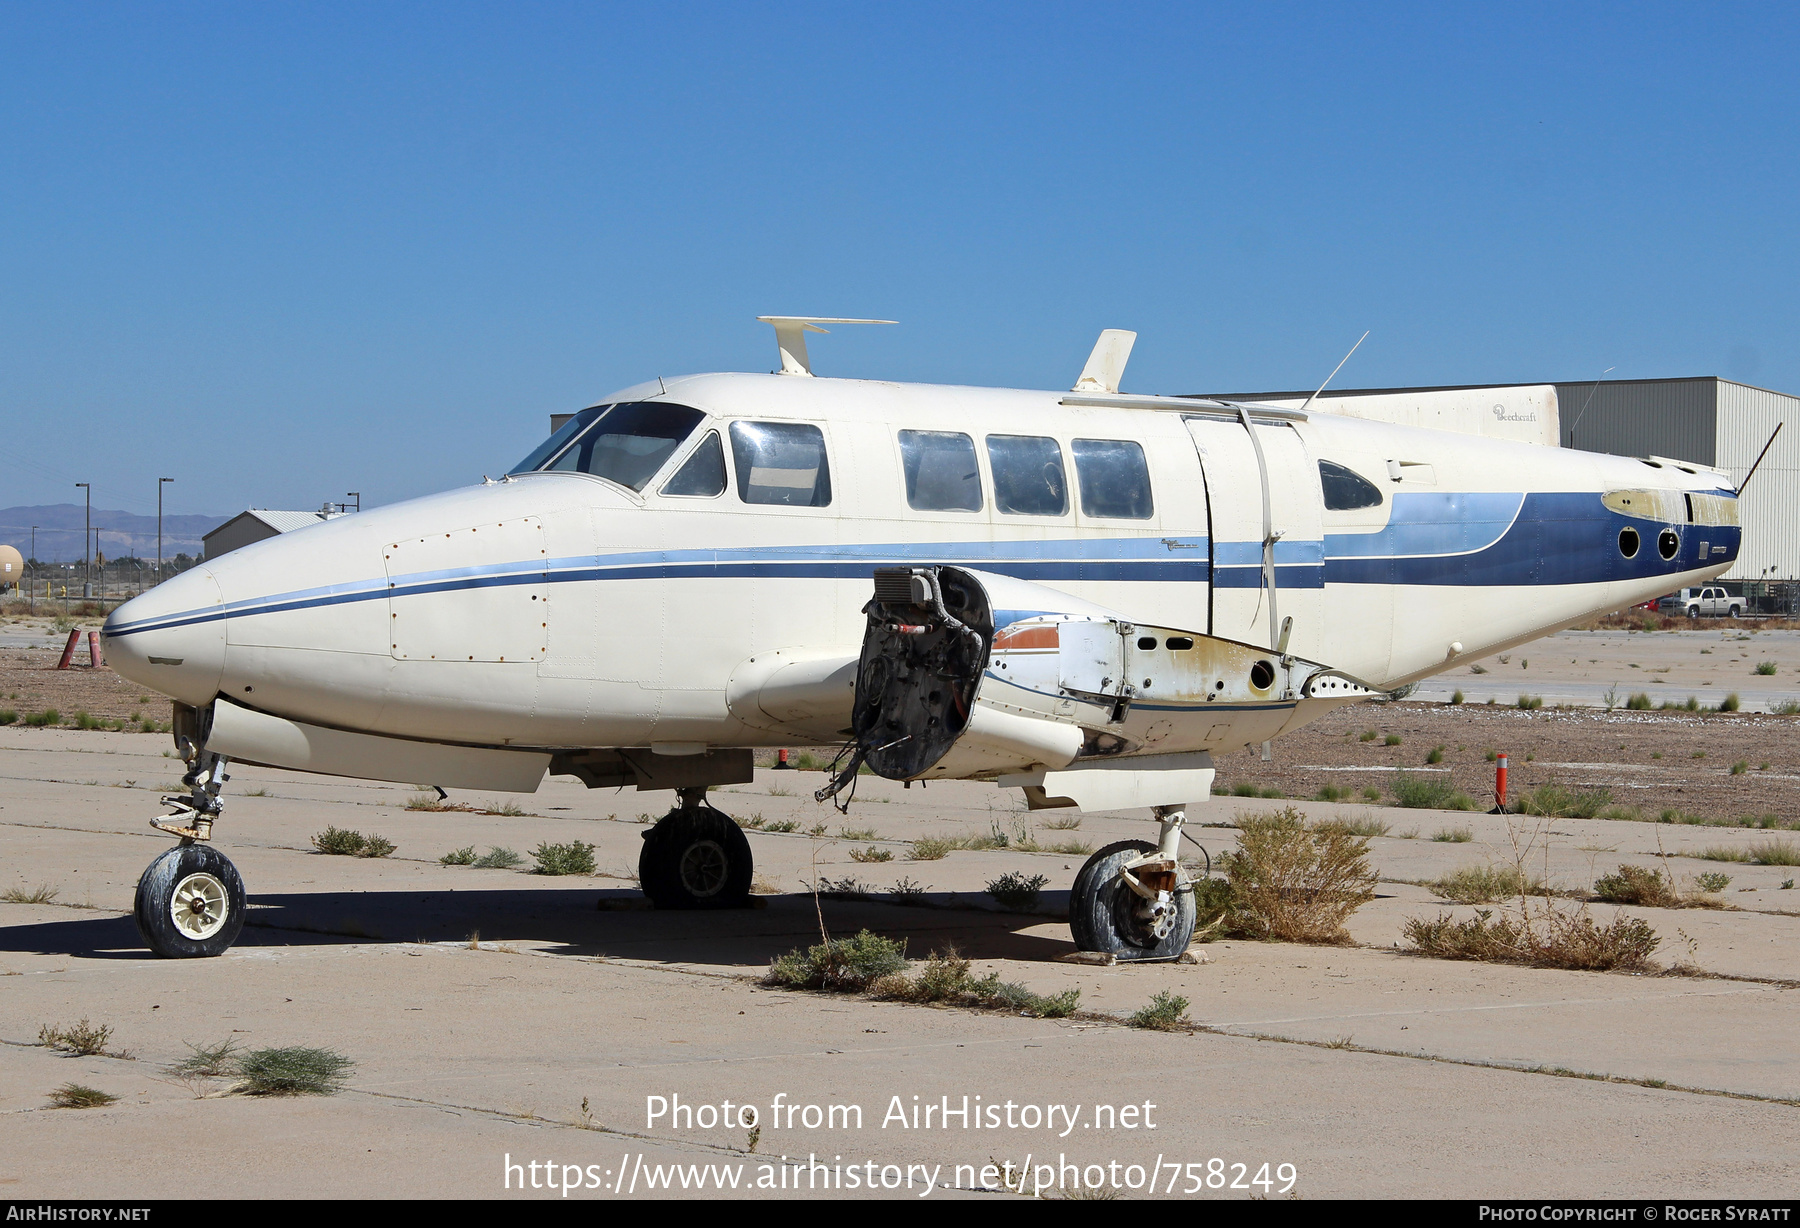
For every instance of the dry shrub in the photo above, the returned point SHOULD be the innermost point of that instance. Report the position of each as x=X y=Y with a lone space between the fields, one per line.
x=218 y=1061
x=80 y=1096
x=82 y=1039
x=947 y=979
x=1539 y=933
x=1166 y=1013
x=1291 y=883
x=932 y=848
x=294 y=1071
x=1775 y=853
x=1650 y=888
x=340 y=843
x=556 y=859
x=42 y=894
x=1656 y=889
x=1557 y=801
x=840 y=964
x=1550 y=939
x=1014 y=891
x=1485 y=884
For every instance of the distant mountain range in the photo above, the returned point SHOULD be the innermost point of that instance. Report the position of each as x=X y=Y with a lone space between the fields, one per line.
x=59 y=530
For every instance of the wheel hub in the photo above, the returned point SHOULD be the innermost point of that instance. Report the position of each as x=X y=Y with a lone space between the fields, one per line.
x=1158 y=915
x=198 y=906
x=704 y=868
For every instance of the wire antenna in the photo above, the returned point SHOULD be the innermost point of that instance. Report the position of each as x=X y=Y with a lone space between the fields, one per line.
x=1759 y=457
x=1334 y=371
x=1586 y=403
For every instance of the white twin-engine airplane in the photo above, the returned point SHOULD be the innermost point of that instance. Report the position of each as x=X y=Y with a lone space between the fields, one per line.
x=1080 y=594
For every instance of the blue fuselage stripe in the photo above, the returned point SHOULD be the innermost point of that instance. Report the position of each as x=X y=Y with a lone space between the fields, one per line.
x=1473 y=540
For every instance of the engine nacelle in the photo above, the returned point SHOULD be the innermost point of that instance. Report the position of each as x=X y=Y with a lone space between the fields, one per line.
x=967 y=674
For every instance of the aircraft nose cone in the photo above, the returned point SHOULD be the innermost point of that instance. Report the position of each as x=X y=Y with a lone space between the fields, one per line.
x=171 y=639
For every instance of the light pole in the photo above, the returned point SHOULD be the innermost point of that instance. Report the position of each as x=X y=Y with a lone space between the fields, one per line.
x=87 y=568
x=31 y=599
x=357 y=495
x=159 y=486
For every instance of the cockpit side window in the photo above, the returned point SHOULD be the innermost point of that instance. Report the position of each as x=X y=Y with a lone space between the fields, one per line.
x=1345 y=489
x=625 y=443
x=781 y=463
x=702 y=475
x=559 y=439
x=1028 y=475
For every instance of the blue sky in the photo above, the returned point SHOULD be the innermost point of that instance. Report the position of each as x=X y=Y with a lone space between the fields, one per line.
x=282 y=252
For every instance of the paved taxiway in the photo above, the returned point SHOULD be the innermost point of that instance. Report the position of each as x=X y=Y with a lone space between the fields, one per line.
x=465 y=1056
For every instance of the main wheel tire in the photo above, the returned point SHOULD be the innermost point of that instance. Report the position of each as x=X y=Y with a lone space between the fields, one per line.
x=696 y=859
x=1102 y=909
x=190 y=903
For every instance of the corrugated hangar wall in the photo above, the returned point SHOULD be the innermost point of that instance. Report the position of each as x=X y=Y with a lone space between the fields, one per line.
x=1676 y=418
x=1770 y=511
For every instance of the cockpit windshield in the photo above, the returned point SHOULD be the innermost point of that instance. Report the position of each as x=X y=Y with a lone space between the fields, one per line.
x=625 y=443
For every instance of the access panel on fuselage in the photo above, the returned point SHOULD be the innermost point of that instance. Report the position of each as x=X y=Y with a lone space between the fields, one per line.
x=474 y=594
x=1241 y=603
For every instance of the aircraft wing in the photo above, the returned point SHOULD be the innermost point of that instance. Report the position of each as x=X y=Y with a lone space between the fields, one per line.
x=966 y=674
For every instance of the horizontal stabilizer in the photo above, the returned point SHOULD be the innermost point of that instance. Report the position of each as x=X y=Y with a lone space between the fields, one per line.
x=790 y=337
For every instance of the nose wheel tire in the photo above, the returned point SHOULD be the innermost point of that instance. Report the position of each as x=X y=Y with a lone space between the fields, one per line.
x=190 y=903
x=696 y=859
x=1106 y=915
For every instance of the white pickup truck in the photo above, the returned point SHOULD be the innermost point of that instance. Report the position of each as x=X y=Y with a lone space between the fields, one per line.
x=1710 y=601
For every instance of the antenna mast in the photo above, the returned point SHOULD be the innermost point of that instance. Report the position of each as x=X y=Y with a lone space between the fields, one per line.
x=1334 y=371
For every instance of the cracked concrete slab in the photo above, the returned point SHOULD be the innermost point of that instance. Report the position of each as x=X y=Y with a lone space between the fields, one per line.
x=1375 y=1073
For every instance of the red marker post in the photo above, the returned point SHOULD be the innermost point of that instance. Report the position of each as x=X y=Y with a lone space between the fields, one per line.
x=1499 y=786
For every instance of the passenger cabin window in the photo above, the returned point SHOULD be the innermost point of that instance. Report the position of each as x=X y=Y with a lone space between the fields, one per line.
x=941 y=473
x=702 y=475
x=1345 y=489
x=781 y=463
x=624 y=443
x=1028 y=475
x=1113 y=478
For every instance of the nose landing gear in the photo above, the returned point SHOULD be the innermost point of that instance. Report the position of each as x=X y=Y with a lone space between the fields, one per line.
x=696 y=858
x=190 y=900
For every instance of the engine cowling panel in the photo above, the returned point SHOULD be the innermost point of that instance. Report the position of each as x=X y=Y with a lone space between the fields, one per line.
x=969 y=674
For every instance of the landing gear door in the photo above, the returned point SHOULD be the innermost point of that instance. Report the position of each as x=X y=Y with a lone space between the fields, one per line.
x=1090 y=658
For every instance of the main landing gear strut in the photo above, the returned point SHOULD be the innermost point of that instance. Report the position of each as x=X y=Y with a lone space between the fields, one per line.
x=1132 y=900
x=696 y=857
x=190 y=900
